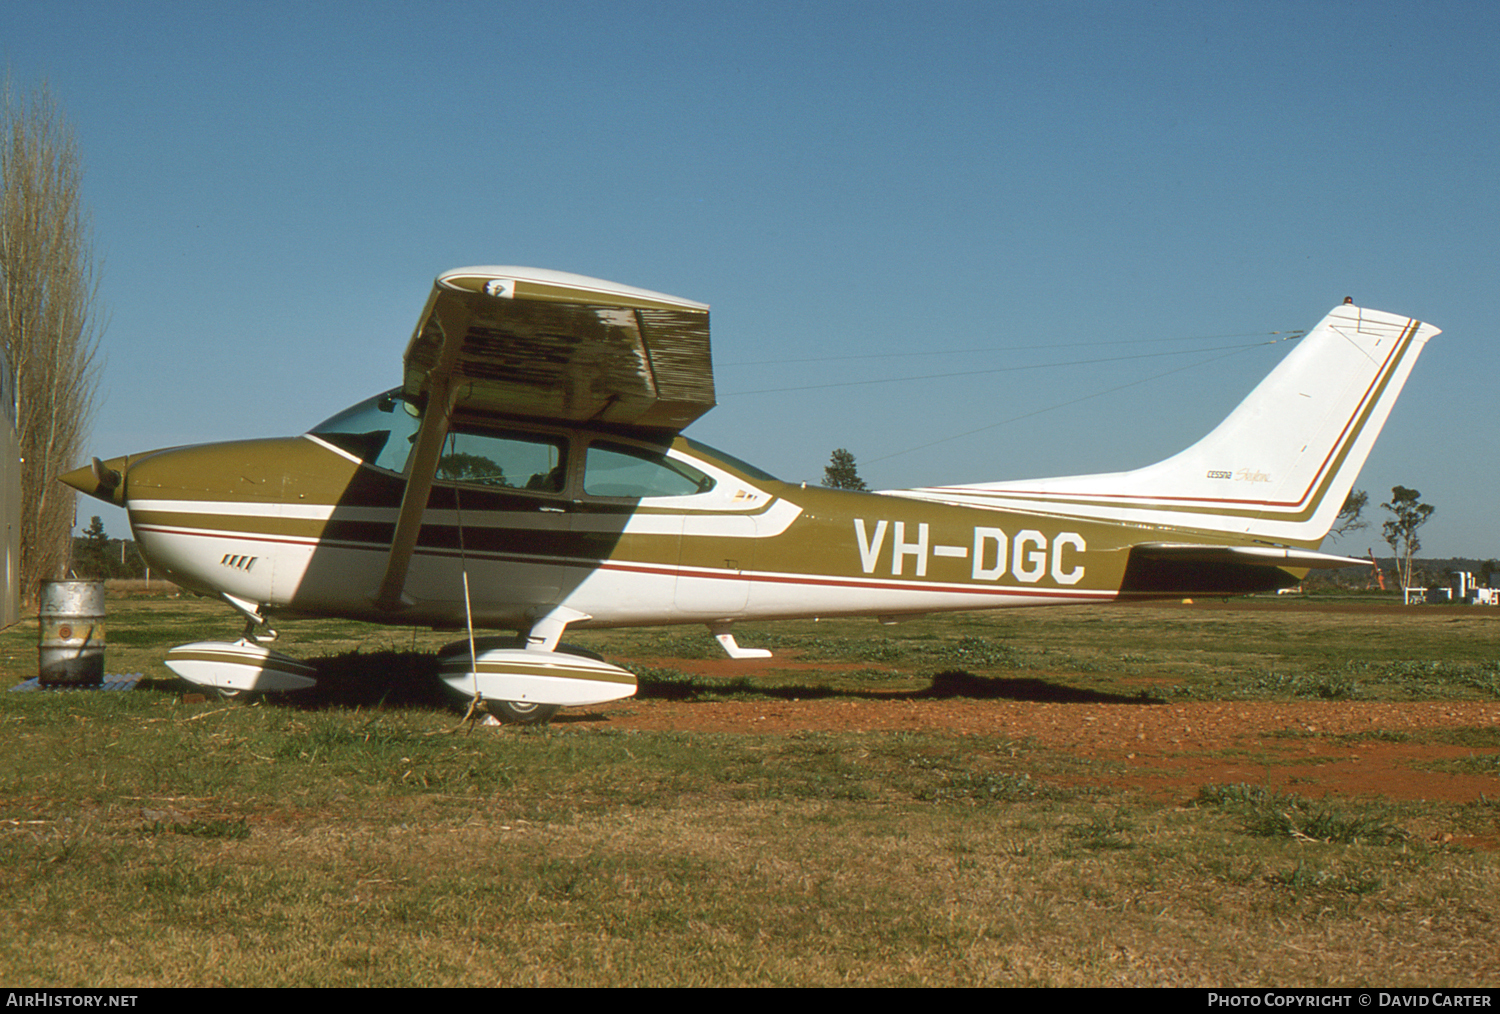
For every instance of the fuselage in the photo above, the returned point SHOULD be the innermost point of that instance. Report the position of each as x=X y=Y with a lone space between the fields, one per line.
x=619 y=527
x=529 y=474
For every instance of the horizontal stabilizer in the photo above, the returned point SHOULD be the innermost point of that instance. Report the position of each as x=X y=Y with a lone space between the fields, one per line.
x=1264 y=556
x=1171 y=570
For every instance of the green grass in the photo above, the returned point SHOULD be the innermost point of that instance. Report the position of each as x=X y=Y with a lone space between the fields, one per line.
x=363 y=836
x=168 y=843
x=1270 y=814
x=1264 y=649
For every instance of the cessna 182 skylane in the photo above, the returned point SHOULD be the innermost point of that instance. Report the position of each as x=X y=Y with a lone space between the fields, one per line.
x=530 y=475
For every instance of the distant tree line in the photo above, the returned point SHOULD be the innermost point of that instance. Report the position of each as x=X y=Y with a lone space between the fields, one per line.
x=96 y=555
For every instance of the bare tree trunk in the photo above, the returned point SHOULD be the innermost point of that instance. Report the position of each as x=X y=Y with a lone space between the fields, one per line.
x=49 y=328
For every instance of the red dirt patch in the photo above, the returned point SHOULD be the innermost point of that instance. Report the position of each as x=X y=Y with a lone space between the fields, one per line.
x=1165 y=750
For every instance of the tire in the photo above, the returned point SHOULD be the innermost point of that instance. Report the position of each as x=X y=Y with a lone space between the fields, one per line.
x=522 y=712
x=515 y=712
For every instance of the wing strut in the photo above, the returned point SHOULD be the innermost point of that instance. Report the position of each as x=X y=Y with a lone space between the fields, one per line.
x=441 y=392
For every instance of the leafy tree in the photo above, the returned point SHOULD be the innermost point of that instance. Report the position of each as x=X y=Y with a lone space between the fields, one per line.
x=91 y=556
x=1401 y=531
x=48 y=325
x=462 y=467
x=841 y=472
x=1349 y=519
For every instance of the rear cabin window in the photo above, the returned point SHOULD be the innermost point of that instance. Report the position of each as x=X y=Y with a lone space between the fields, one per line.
x=619 y=470
x=719 y=456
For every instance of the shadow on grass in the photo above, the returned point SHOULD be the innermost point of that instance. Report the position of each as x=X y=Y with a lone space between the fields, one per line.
x=958 y=683
x=671 y=685
x=394 y=679
x=377 y=679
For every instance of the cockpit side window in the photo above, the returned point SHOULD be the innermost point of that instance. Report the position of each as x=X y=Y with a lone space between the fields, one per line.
x=618 y=470
x=379 y=431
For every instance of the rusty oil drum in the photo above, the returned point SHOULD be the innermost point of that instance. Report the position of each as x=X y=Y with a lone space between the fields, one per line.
x=70 y=638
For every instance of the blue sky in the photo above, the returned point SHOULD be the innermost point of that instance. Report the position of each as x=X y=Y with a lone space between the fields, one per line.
x=274 y=186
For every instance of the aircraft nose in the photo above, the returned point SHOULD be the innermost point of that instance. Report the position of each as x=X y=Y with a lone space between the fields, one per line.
x=104 y=480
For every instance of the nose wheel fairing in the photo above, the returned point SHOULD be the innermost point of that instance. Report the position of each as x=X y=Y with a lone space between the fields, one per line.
x=239 y=666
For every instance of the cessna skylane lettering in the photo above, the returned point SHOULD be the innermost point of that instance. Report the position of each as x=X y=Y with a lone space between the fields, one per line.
x=530 y=475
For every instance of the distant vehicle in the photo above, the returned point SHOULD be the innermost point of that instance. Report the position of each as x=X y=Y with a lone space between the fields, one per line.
x=530 y=475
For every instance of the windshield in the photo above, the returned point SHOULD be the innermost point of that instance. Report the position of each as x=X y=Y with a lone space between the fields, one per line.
x=379 y=430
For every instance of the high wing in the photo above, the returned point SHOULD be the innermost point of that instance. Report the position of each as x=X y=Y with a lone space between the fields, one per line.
x=562 y=347
x=548 y=345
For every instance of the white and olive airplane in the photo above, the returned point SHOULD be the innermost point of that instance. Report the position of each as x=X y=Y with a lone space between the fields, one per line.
x=530 y=475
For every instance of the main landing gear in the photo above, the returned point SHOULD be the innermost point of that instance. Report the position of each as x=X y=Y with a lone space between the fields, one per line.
x=522 y=683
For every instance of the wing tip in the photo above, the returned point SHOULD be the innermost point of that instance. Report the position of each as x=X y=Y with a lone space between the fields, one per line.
x=512 y=281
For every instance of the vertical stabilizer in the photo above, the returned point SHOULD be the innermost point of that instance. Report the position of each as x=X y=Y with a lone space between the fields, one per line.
x=1278 y=469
